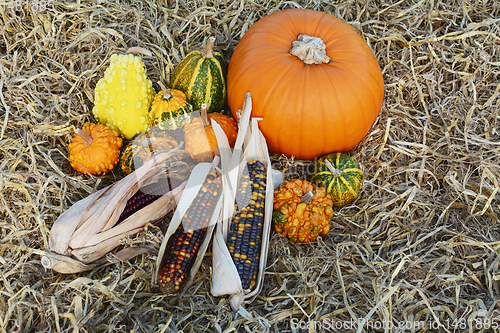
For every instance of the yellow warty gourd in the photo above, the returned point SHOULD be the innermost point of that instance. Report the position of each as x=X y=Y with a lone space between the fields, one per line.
x=123 y=95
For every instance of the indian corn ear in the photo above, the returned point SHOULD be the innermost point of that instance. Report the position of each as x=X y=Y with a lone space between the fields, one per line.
x=146 y=196
x=302 y=211
x=182 y=247
x=245 y=231
x=123 y=96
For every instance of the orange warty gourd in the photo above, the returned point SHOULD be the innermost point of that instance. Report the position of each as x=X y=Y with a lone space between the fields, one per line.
x=302 y=211
x=95 y=149
x=313 y=79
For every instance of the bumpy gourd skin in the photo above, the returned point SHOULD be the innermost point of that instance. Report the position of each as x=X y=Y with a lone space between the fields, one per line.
x=123 y=96
x=101 y=155
x=143 y=146
x=297 y=220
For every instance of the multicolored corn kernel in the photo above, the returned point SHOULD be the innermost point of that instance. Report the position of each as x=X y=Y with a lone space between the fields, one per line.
x=245 y=231
x=182 y=247
x=147 y=195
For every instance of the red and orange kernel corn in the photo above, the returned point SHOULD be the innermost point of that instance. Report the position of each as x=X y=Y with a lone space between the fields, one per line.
x=182 y=247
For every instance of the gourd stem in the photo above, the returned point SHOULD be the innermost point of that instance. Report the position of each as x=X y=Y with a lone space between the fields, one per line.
x=207 y=51
x=85 y=137
x=166 y=94
x=311 y=50
x=307 y=197
x=204 y=116
x=335 y=172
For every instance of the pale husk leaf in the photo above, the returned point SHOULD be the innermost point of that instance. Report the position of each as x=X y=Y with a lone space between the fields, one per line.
x=67 y=265
x=117 y=196
x=69 y=221
x=82 y=231
x=225 y=278
x=193 y=185
x=255 y=147
x=233 y=169
x=155 y=211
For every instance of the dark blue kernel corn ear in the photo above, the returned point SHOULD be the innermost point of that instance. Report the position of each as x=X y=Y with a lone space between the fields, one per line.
x=245 y=230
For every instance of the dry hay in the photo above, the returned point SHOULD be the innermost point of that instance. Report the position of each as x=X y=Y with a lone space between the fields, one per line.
x=420 y=244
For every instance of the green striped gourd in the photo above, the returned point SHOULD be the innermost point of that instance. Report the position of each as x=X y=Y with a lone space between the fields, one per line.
x=201 y=76
x=341 y=175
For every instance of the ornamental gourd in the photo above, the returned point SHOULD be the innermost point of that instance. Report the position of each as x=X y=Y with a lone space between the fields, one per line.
x=170 y=109
x=143 y=146
x=94 y=149
x=302 y=211
x=199 y=136
x=313 y=79
x=341 y=175
x=202 y=77
x=123 y=96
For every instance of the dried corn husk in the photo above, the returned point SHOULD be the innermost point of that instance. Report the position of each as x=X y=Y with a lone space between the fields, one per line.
x=250 y=145
x=84 y=235
x=198 y=176
x=193 y=185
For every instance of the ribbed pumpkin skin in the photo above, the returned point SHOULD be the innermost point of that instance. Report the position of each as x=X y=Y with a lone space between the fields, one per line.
x=307 y=110
x=345 y=188
x=172 y=112
x=139 y=150
x=202 y=80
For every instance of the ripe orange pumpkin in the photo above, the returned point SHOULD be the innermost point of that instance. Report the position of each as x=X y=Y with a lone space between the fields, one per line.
x=308 y=110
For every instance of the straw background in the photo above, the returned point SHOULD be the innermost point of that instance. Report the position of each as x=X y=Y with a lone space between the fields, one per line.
x=421 y=243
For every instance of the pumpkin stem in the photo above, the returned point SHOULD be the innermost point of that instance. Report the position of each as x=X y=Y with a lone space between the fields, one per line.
x=311 y=50
x=307 y=197
x=166 y=94
x=335 y=172
x=85 y=137
x=204 y=116
x=207 y=51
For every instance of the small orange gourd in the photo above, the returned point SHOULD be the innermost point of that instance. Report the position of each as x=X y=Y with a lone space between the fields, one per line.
x=95 y=149
x=199 y=135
